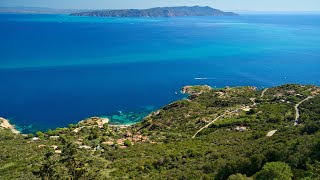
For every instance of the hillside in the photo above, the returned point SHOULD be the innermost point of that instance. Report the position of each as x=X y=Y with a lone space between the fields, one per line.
x=158 y=12
x=227 y=133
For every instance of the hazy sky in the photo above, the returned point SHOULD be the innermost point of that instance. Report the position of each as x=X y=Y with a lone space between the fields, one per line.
x=256 y=5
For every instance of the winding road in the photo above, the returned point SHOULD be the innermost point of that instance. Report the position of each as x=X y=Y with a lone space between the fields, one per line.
x=217 y=118
x=296 y=107
x=264 y=91
x=206 y=126
x=271 y=133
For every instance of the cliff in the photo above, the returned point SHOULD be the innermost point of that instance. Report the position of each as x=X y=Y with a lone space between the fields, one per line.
x=158 y=12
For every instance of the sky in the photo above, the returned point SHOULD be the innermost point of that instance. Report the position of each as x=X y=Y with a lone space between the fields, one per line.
x=240 y=5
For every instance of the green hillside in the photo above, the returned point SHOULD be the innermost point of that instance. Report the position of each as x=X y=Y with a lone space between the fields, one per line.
x=228 y=133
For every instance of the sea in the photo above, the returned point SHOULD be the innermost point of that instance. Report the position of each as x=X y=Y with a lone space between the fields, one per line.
x=56 y=70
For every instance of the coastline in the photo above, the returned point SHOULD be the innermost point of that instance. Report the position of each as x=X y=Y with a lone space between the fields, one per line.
x=6 y=124
x=123 y=120
x=100 y=121
x=194 y=90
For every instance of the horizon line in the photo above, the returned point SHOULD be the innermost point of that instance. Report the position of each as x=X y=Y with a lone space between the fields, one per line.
x=242 y=11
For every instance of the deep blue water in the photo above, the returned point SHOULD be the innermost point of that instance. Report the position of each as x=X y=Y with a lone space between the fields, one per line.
x=56 y=69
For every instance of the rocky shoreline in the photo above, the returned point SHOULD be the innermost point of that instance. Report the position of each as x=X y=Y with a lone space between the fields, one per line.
x=92 y=121
x=4 y=123
x=195 y=90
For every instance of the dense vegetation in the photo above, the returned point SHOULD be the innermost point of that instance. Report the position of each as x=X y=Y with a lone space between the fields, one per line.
x=214 y=134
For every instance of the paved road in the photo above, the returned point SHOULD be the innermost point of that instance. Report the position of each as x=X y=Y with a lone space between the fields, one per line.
x=271 y=133
x=296 y=107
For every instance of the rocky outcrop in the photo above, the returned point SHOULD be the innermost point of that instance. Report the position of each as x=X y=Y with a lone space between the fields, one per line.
x=4 y=123
x=195 y=90
x=94 y=121
x=158 y=12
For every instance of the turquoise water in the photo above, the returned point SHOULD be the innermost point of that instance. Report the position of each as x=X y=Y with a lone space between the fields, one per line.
x=57 y=69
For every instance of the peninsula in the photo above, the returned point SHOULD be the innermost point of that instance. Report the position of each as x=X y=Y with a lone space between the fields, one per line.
x=158 y=12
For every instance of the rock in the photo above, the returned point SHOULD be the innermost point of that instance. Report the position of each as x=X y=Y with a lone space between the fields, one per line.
x=122 y=147
x=104 y=121
x=54 y=147
x=41 y=146
x=78 y=143
x=97 y=148
x=186 y=89
x=241 y=128
x=84 y=147
x=58 y=151
x=128 y=134
x=4 y=123
x=76 y=130
x=315 y=92
x=138 y=137
x=91 y=122
x=35 y=139
x=195 y=90
x=110 y=143
x=120 y=142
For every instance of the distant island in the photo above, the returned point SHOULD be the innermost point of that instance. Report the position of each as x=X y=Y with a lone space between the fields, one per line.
x=38 y=10
x=158 y=12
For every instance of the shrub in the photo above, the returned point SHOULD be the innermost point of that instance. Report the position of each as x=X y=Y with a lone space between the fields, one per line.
x=40 y=135
x=275 y=170
x=127 y=143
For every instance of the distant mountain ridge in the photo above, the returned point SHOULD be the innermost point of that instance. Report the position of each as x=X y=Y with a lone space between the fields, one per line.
x=38 y=10
x=158 y=12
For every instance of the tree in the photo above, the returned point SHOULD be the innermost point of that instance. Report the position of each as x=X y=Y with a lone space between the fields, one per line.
x=67 y=166
x=30 y=135
x=50 y=132
x=275 y=170
x=239 y=177
x=313 y=170
x=47 y=169
x=72 y=126
x=40 y=135
x=257 y=161
x=127 y=143
x=69 y=157
x=106 y=126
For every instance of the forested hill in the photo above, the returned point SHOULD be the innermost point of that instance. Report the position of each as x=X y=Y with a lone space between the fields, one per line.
x=158 y=12
x=229 y=133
